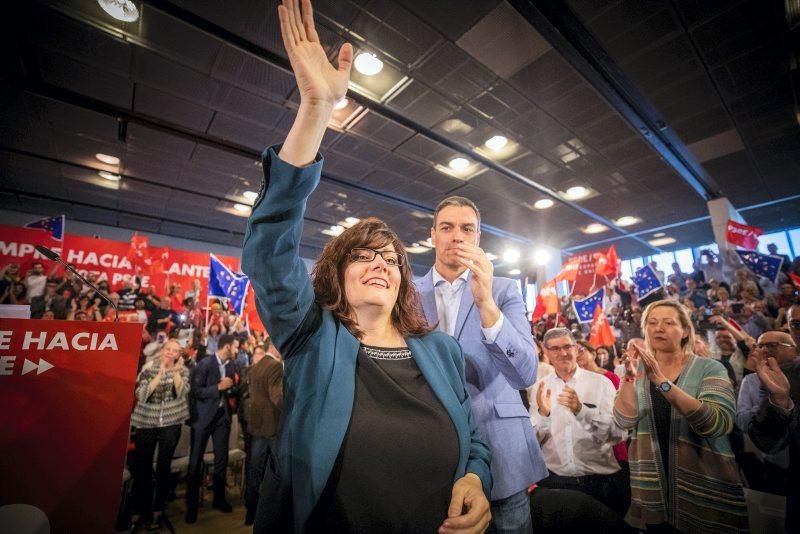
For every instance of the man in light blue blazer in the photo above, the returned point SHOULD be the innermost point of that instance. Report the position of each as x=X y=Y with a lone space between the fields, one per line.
x=486 y=315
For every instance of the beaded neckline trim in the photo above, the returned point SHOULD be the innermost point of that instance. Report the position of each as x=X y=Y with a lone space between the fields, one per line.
x=387 y=354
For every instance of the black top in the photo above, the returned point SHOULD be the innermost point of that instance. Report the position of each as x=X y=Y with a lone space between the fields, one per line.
x=396 y=468
x=662 y=415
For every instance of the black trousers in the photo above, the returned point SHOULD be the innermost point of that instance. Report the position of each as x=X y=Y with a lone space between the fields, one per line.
x=219 y=430
x=144 y=500
x=612 y=490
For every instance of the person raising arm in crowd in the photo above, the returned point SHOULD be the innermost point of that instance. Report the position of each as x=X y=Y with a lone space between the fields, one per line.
x=377 y=434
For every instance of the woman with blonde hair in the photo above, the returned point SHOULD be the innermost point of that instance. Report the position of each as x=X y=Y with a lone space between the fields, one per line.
x=680 y=410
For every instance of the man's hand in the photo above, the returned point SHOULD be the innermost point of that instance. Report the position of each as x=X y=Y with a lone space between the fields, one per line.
x=569 y=398
x=543 y=400
x=469 y=507
x=474 y=258
x=225 y=383
x=774 y=381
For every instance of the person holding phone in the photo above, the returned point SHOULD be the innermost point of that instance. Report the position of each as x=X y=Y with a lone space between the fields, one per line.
x=680 y=410
x=162 y=405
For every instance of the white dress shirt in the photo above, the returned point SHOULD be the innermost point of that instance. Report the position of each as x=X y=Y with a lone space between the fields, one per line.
x=448 y=299
x=578 y=445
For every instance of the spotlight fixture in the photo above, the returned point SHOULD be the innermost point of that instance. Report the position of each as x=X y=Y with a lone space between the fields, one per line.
x=352 y=220
x=543 y=204
x=459 y=164
x=659 y=234
x=541 y=257
x=241 y=208
x=514 y=272
x=368 y=64
x=627 y=220
x=511 y=255
x=577 y=192
x=497 y=142
x=661 y=241
x=250 y=195
x=123 y=10
x=108 y=160
x=110 y=176
x=595 y=228
x=341 y=104
x=490 y=256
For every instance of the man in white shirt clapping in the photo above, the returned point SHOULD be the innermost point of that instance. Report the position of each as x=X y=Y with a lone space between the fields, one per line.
x=572 y=413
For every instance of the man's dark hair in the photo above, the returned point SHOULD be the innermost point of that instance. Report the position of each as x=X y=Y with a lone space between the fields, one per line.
x=34 y=264
x=225 y=340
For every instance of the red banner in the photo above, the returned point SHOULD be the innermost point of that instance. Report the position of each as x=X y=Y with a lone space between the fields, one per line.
x=546 y=301
x=743 y=235
x=601 y=334
x=108 y=259
x=66 y=388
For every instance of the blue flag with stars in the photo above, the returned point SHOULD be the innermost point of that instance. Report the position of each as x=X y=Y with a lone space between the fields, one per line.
x=222 y=282
x=584 y=309
x=54 y=225
x=761 y=264
x=646 y=281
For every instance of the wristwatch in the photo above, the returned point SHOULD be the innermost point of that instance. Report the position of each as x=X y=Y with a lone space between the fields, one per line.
x=664 y=386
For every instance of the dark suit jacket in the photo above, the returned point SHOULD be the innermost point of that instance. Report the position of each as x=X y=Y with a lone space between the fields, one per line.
x=205 y=395
x=265 y=385
x=320 y=358
x=58 y=306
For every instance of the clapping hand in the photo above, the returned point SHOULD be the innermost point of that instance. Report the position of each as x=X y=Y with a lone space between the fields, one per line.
x=543 y=400
x=774 y=381
x=569 y=398
x=651 y=367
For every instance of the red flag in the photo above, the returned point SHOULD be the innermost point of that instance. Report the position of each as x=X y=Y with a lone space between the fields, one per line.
x=569 y=270
x=546 y=301
x=158 y=267
x=608 y=264
x=743 y=235
x=586 y=279
x=795 y=279
x=251 y=313
x=138 y=253
x=601 y=334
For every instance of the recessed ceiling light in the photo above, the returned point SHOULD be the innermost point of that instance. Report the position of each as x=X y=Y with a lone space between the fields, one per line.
x=662 y=241
x=341 y=104
x=627 y=220
x=123 y=10
x=497 y=142
x=490 y=256
x=250 y=195
x=595 y=228
x=576 y=192
x=241 y=208
x=543 y=204
x=514 y=272
x=352 y=220
x=110 y=176
x=337 y=229
x=368 y=64
x=541 y=256
x=427 y=243
x=659 y=234
x=459 y=164
x=416 y=248
x=511 y=255
x=108 y=160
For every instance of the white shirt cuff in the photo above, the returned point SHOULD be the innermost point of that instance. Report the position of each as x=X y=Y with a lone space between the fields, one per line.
x=491 y=333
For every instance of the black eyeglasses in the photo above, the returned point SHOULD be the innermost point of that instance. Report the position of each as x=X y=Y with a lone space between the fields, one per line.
x=772 y=346
x=366 y=255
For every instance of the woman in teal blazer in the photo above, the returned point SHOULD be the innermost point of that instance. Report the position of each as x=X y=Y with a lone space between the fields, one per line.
x=363 y=372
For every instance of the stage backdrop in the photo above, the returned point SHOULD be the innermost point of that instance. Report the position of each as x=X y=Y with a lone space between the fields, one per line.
x=66 y=389
x=106 y=258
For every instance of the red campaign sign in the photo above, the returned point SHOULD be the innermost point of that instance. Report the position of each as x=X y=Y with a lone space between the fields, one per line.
x=743 y=235
x=66 y=388
x=108 y=259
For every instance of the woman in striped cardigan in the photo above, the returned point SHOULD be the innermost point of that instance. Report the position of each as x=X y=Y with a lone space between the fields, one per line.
x=680 y=410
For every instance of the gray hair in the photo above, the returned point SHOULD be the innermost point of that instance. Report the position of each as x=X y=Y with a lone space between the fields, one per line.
x=557 y=332
x=456 y=201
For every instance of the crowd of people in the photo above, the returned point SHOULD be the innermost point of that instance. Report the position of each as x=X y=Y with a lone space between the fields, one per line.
x=384 y=403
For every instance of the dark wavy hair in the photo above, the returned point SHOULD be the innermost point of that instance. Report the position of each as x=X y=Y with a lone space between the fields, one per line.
x=328 y=278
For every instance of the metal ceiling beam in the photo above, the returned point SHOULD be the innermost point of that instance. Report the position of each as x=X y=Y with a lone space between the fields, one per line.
x=554 y=20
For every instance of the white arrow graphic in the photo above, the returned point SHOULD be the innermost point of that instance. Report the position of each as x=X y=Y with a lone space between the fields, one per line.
x=29 y=366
